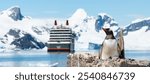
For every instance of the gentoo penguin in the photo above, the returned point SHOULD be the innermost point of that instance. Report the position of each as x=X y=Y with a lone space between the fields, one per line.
x=110 y=47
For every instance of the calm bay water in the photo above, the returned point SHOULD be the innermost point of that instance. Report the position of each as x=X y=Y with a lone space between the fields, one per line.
x=138 y=54
x=44 y=59
x=32 y=59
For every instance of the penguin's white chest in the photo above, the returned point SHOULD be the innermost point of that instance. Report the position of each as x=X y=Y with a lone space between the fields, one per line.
x=110 y=49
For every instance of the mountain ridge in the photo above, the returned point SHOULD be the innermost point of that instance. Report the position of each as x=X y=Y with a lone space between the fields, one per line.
x=87 y=29
x=13 y=12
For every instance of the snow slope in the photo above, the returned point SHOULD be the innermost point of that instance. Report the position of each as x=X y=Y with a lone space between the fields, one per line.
x=87 y=28
x=137 y=35
x=12 y=18
x=105 y=21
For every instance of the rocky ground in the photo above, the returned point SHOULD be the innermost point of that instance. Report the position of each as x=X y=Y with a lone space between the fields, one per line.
x=85 y=59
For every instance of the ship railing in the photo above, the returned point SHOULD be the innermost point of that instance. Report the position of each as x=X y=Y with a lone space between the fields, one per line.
x=53 y=29
x=61 y=32
x=61 y=36
x=60 y=40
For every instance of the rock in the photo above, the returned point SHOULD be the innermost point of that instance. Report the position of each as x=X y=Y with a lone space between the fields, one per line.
x=14 y=32
x=27 y=42
x=91 y=60
x=15 y=13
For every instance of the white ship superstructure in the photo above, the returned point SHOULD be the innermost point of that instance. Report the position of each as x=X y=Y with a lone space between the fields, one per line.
x=61 y=38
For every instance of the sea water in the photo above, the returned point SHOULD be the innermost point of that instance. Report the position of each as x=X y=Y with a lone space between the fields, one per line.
x=33 y=59
x=138 y=54
x=45 y=59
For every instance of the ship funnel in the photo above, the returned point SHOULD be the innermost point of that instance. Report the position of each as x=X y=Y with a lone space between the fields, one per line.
x=55 y=22
x=67 y=22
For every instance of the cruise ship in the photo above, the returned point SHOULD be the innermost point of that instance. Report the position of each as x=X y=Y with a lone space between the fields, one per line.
x=61 y=38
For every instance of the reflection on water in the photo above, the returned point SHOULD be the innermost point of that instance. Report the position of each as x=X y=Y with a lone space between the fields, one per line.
x=44 y=59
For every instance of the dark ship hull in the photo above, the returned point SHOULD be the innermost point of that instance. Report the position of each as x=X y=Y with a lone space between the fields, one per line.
x=59 y=47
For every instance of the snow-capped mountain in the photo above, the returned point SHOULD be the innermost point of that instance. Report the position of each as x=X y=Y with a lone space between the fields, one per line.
x=13 y=12
x=80 y=22
x=78 y=17
x=104 y=20
x=18 y=31
x=137 y=35
x=137 y=25
x=83 y=25
x=88 y=28
x=22 y=40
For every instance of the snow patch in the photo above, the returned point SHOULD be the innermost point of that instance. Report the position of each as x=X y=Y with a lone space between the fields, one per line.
x=77 y=17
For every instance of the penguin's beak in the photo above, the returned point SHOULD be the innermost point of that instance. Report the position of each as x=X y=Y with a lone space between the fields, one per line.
x=104 y=29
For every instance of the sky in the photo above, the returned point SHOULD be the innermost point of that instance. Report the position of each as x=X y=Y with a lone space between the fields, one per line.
x=123 y=11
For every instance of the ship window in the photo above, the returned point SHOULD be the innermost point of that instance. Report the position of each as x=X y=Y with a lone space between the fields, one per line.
x=58 y=41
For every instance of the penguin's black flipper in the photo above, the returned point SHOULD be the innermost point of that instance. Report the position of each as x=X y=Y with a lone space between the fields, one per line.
x=121 y=44
x=122 y=55
x=100 y=51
